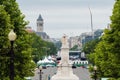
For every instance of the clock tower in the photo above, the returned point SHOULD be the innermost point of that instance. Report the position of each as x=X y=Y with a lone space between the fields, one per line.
x=40 y=24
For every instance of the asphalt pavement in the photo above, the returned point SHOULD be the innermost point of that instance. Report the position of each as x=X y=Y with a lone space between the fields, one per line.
x=82 y=73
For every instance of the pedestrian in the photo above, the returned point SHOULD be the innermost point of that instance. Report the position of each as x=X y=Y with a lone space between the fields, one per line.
x=49 y=77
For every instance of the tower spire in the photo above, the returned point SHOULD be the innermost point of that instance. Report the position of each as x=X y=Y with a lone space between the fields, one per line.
x=40 y=18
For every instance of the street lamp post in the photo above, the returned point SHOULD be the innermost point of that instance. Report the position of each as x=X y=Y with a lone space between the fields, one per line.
x=40 y=68
x=95 y=74
x=11 y=37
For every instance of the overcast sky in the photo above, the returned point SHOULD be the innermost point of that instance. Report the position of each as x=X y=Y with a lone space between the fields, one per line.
x=71 y=17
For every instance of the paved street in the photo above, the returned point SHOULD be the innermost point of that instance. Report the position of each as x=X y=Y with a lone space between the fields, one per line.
x=82 y=73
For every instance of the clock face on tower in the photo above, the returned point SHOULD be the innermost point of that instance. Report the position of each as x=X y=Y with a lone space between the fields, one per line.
x=39 y=24
x=39 y=27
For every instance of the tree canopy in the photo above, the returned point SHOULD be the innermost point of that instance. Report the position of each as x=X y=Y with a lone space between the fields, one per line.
x=41 y=48
x=107 y=52
x=37 y=45
x=90 y=46
x=12 y=18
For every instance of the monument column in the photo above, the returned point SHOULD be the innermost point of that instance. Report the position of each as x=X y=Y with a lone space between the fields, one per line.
x=64 y=71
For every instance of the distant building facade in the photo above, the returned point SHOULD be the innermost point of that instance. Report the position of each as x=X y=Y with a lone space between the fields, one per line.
x=75 y=41
x=84 y=38
x=88 y=36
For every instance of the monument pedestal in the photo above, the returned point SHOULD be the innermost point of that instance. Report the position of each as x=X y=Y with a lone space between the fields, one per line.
x=64 y=71
x=71 y=77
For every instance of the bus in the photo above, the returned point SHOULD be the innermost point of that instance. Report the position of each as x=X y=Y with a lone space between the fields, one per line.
x=74 y=55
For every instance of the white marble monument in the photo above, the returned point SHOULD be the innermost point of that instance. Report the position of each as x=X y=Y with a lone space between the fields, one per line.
x=64 y=71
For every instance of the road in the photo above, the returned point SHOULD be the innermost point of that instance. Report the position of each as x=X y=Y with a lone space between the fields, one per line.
x=82 y=73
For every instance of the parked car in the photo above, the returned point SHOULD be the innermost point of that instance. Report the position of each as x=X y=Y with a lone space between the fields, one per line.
x=73 y=66
x=44 y=67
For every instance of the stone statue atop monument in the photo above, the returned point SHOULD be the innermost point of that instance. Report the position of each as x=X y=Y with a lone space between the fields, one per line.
x=64 y=39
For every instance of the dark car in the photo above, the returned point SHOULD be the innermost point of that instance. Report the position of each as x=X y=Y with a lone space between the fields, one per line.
x=44 y=67
x=58 y=58
x=73 y=66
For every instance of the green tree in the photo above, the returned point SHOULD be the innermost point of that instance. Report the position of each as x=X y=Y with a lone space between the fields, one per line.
x=4 y=30
x=41 y=48
x=38 y=47
x=90 y=46
x=58 y=44
x=107 y=52
x=51 y=49
x=12 y=18
x=74 y=48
